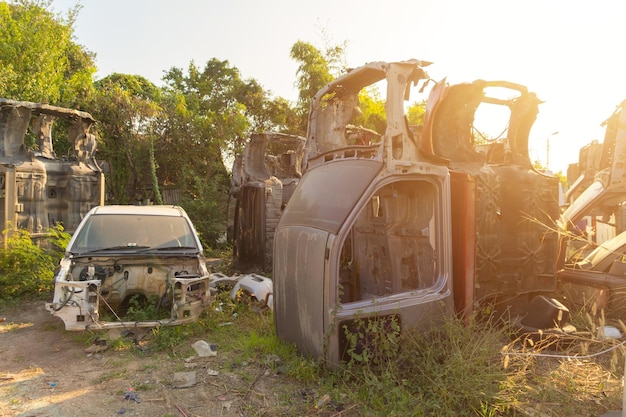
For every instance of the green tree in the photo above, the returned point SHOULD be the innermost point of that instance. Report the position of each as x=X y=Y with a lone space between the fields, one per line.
x=38 y=60
x=315 y=70
x=416 y=112
x=372 y=106
x=202 y=120
x=208 y=115
x=127 y=107
x=266 y=113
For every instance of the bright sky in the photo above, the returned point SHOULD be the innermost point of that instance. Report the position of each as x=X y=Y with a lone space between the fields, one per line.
x=566 y=51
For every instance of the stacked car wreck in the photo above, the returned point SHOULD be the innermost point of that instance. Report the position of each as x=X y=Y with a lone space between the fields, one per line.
x=413 y=223
x=263 y=179
x=37 y=189
x=593 y=239
x=110 y=267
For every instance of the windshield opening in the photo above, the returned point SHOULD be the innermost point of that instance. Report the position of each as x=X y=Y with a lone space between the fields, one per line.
x=102 y=231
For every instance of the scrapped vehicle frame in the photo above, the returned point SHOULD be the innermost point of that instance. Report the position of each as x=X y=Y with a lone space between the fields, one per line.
x=39 y=190
x=596 y=218
x=92 y=283
x=415 y=223
x=607 y=191
x=599 y=279
x=263 y=179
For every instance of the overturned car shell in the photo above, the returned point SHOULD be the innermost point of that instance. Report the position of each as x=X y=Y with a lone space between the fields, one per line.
x=355 y=204
x=399 y=229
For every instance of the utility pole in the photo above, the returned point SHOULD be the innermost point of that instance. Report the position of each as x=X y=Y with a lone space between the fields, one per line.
x=548 y=148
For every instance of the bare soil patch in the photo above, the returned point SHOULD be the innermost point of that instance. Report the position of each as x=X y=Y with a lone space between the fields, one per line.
x=45 y=371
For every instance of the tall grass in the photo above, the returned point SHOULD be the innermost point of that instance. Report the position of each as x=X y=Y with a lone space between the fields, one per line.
x=449 y=370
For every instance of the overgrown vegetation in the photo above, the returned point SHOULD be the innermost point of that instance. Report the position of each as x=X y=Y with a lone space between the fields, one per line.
x=454 y=369
x=448 y=370
x=567 y=374
x=141 y=308
x=27 y=266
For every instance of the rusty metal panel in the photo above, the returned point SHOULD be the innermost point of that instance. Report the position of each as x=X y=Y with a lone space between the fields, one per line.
x=263 y=179
x=249 y=235
x=516 y=246
x=438 y=197
x=299 y=275
x=516 y=206
x=38 y=189
x=463 y=187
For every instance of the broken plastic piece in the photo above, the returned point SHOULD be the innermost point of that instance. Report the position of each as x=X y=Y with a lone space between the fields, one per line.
x=203 y=349
x=609 y=332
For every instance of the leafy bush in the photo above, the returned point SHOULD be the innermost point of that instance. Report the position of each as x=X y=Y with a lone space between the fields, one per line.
x=27 y=266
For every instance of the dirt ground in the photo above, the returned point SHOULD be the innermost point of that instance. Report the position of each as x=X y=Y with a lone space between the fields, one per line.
x=45 y=372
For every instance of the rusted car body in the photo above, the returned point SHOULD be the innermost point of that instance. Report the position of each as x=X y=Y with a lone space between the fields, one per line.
x=414 y=223
x=581 y=174
x=607 y=189
x=131 y=256
x=263 y=179
x=591 y=254
x=38 y=189
x=599 y=279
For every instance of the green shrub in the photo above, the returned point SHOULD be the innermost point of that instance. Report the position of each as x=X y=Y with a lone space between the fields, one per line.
x=27 y=267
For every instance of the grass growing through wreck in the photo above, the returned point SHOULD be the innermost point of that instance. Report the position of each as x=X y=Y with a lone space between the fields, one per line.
x=454 y=369
x=449 y=370
x=245 y=333
x=479 y=369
